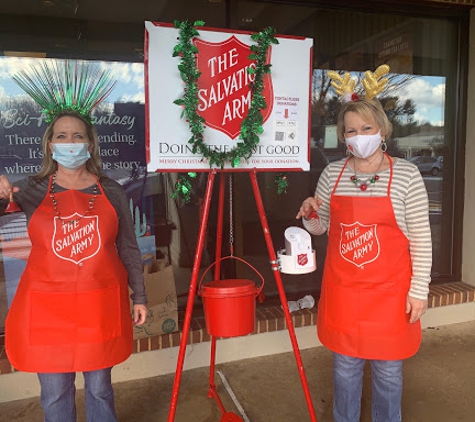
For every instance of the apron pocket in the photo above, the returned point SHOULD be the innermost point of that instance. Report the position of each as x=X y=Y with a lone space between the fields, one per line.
x=74 y=317
x=340 y=309
x=366 y=311
x=381 y=311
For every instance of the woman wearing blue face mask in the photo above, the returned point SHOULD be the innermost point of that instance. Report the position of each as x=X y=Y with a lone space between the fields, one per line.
x=71 y=310
x=378 y=263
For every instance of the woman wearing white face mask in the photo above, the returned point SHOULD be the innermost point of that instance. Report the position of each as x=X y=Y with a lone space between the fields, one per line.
x=71 y=311
x=378 y=262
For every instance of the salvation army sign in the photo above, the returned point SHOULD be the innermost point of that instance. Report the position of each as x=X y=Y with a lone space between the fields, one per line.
x=224 y=94
x=224 y=99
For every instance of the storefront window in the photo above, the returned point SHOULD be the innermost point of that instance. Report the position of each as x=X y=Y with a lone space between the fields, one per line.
x=421 y=101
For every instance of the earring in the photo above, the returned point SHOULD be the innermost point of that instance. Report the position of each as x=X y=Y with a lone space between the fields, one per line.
x=384 y=145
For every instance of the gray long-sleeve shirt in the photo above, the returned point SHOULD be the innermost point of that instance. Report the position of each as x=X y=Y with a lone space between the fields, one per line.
x=411 y=210
x=32 y=193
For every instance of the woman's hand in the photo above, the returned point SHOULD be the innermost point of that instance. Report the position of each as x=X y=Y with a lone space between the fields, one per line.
x=140 y=314
x=6 y=187
x=309 y=205
x=416 y=308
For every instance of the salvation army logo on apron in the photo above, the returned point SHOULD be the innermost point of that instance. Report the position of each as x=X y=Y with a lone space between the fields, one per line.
x=76 y=239
x=223 y=85
x=359 y=243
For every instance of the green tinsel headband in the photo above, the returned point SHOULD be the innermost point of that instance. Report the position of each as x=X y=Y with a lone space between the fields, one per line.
x=63 y=85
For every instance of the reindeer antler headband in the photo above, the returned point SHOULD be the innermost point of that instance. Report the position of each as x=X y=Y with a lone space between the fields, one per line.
x=373 y=83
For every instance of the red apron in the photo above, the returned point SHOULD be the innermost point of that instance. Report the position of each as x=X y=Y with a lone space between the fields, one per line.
x=362 y=309
x=71 y=310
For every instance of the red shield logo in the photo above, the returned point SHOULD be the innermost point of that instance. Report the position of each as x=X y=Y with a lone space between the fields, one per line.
x=76 y=238
x=223 y=87
x=302 y=259
x=359 y=243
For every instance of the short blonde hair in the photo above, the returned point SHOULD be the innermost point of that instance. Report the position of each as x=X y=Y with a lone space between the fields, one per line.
x=49 y=166
x=367 y=109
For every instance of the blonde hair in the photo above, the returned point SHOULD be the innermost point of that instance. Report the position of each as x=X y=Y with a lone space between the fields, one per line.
x=367 y=109
x=49 y=166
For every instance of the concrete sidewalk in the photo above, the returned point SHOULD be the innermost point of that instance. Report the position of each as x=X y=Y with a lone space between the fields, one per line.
x=439 y=385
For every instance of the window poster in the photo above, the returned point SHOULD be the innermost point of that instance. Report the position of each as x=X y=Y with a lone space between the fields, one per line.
x=119 y=121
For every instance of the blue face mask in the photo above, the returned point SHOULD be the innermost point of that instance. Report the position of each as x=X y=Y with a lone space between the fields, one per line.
x=71 y=155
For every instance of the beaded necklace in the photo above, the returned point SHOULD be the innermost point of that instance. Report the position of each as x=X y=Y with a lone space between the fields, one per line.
x=55 y=203
x=363 y=184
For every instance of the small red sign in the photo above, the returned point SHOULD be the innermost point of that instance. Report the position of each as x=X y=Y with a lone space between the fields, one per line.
x=302 y=259
x=359 y=243
x=223 y=87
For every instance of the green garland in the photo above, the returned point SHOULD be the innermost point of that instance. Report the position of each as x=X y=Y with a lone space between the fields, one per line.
x=251 y=126
x=183 y=186
x=281 y=182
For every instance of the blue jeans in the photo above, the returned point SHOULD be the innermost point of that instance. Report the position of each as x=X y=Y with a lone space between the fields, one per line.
x=348 y=387
x=58 y=396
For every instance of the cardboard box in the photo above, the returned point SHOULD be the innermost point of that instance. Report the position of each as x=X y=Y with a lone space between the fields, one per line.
x=162 y=301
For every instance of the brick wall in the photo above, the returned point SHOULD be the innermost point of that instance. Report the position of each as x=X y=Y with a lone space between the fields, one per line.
x=271 y=318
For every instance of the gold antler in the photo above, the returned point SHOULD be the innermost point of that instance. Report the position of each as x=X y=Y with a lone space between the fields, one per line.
x=370 y=81
x=341 y=85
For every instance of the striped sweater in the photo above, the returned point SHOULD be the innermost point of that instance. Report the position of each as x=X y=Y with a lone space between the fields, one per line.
x=411 y=208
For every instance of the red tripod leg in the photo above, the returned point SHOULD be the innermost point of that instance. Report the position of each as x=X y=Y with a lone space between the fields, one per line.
x=191 y=296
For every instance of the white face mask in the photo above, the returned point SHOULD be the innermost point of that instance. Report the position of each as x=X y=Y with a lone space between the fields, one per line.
x=363 y=146
x=71 y=155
